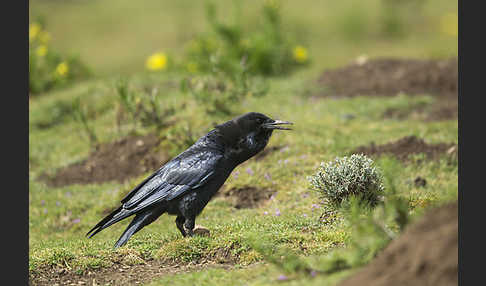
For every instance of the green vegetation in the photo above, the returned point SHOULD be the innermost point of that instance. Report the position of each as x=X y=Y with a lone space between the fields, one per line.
x=338 y=180
x=291 y=239
x=141 y=106
x=220 y=94
x=268 y=49
x=47 y=68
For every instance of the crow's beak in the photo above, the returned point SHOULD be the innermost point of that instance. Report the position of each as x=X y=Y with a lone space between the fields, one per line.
x=275 y=124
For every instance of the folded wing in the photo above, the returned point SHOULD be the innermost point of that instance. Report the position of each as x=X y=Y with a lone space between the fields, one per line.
x=190 y=170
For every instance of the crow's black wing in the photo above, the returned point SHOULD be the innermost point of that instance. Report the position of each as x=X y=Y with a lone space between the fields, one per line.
x=191 y=169
x=188 y=171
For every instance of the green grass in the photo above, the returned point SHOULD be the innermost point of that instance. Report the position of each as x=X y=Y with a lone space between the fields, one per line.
x=320 y=134
x=258 y=274
x=116 y=38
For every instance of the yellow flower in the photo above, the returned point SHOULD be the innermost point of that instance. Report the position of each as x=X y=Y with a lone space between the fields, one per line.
x=34 y=30
x=157 y=61
x=62 y=69
x=300 y=54
x=44 y=37
x=448 y=24
x=41 y=50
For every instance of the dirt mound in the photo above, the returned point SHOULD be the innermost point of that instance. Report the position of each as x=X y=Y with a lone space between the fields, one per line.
x=406 y=146
x=425 y=254
x=390 y=76
x=114 y=161
x=441 y=110
x=247 y=197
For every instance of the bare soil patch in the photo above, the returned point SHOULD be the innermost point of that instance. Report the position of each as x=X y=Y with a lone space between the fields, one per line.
x=425 y=254
x=444 y=109
x=390 y=76
x=118 y=274
x=409 y=145
x=247 y=197
x=114 y=161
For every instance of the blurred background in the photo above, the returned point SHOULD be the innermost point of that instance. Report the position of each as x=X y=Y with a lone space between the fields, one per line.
x=116 y=37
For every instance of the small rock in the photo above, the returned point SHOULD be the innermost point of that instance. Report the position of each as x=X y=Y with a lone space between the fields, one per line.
x=361 y=60
x=452 y=150
x=201 y=231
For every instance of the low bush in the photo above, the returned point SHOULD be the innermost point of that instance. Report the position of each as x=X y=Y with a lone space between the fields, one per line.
x=269 y=51
x=336 y=181
x=220 y=93
x=141 y=106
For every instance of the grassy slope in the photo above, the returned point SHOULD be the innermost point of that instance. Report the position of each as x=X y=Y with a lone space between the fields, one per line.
x=320 y=134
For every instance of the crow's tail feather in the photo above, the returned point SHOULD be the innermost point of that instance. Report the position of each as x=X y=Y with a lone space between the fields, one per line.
x=139 y=221
x=114 y=217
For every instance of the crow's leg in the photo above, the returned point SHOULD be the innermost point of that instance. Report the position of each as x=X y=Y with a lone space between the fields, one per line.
x=196 y=229
x=189 y=225
x=180 y=224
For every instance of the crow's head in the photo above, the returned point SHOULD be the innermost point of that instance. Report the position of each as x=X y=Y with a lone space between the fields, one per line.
x=249 y=133
x=258 y=122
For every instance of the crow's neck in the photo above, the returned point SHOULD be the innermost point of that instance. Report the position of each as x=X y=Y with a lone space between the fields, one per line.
x=239 y=145
x=247 y=146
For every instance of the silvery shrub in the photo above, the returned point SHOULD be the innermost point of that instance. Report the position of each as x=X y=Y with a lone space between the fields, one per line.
x=356 y=175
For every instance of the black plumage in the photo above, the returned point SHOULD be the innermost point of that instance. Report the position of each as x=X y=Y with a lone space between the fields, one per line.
x=185 y=184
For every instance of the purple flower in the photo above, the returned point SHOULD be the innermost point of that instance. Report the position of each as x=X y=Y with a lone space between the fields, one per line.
x=305 y=215
x=68 y=194
x=314 y=206
x=267 y=176
x=76 y=220
x=58 y=203
x=286 y=161
x=249 y=171
x=43 y=202
x=277 y=212
x=282 y=278
x=45 y=211
x=313 y=273
x=305 y=195
x=235 y=174
x=265 y=213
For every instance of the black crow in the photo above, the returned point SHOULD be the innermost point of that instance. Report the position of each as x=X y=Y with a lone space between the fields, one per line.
x=185 y=184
